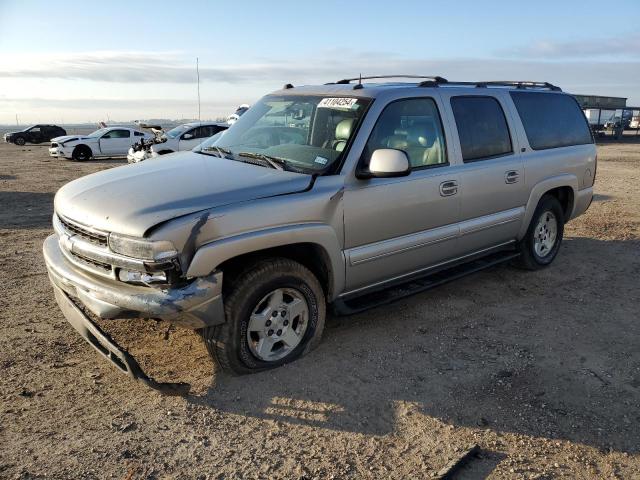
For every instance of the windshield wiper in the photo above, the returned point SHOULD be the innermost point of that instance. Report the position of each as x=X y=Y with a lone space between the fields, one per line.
x=222 y=152
x=274 y=162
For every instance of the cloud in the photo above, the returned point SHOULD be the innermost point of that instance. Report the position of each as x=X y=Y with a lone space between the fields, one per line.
x=172 y=67
x=623 y=45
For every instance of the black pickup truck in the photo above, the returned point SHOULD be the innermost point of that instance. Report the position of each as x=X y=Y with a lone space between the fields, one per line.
x=35 y=134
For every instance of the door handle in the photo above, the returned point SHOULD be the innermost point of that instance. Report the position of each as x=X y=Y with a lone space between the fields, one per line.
x=512 y=176
x=448 y=188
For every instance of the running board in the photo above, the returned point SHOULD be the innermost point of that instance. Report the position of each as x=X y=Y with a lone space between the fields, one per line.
x=360 y=303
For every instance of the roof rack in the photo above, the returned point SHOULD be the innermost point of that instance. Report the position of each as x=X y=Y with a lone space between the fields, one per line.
x=436 y=81
x=494 y=83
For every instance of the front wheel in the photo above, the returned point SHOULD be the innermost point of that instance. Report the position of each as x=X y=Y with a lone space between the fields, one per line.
x=81 y=153
x=543 y=238
x=275 y=312
x=20 y=141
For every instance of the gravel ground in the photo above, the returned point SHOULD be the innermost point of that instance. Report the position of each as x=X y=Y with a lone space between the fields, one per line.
x=541 y=370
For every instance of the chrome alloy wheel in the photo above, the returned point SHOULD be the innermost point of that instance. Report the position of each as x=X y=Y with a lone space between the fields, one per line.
x=545 y=234
x=277 y=324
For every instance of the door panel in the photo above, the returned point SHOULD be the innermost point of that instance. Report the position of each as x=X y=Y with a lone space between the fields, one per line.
x=492 y=184
x=393 y=227
x=116 y=142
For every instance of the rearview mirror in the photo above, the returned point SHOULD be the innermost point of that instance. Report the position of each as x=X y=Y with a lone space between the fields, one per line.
x=388 y=162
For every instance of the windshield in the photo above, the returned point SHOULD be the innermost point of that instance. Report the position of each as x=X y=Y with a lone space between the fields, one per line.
x=98 y=133
x=207 y=145
x=302 y=132
x=175 y=132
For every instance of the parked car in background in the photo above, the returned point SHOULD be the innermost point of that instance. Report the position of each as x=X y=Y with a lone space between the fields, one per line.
x=181 y=138
x=185 y=137
x=340 y=196
x=105 y=142
x=617 y=122
x=34 y=134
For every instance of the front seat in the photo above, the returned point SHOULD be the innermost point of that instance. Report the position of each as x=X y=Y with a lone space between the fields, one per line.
x=343 y=132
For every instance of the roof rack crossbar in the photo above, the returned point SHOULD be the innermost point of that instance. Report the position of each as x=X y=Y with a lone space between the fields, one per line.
x=375 y=77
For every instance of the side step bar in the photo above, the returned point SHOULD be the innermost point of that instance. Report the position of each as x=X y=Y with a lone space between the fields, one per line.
x=360 y=303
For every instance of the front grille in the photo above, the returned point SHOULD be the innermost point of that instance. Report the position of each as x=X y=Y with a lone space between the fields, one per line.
x=90 y=261
x=91 y=235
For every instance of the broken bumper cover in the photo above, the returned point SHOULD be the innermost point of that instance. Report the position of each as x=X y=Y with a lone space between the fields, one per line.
x=109 y=349
x=196 y=305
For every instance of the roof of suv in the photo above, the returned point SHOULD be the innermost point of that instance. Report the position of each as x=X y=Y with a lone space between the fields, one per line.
x=355 y=86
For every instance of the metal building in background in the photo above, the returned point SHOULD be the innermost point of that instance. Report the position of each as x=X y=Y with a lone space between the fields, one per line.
x=609 y=116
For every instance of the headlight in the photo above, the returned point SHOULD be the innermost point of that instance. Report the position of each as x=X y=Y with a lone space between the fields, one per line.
x=142 y=249
x=147 y=278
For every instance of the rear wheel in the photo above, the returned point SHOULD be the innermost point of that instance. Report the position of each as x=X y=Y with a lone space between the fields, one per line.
x=81 y=153
x=20 y=141
x=274 y=311
x=542 y=241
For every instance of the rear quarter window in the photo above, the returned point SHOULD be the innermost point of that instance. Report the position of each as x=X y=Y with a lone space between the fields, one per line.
x=551 y=120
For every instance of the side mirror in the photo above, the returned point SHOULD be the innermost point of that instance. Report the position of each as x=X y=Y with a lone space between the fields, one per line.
x=388 y=162
x=187 y=136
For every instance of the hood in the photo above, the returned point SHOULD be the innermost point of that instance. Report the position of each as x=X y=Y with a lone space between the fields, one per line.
x=65 y=138
x=133 y=198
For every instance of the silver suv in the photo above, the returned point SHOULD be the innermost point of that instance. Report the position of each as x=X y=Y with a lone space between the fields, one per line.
x=344 y=195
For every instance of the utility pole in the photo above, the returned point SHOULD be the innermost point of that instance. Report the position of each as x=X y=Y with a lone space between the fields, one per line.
x=198 y=74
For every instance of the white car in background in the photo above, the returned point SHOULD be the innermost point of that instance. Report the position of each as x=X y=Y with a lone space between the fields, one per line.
x=106 y=142
x=181 y=138
x=187 y=136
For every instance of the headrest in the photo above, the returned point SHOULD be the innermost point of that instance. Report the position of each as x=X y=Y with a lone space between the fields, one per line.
x=343 y=129
x=418 y=136
x=399 y=142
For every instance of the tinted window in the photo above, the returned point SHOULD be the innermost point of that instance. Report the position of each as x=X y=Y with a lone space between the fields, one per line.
x=482 y=127
x=413 y=126
x=138 y=134
x=551 y=120
x=118 y=134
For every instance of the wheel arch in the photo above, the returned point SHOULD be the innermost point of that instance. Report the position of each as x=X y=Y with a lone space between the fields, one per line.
x=563 y=187
x=314 y=246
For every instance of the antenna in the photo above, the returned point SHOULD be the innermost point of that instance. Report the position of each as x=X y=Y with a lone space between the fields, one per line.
x=198 y=74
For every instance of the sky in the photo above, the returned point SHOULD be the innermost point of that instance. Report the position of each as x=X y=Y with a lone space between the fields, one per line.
x=69 y=62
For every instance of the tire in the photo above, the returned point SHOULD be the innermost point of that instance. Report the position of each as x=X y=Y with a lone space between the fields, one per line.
x=236 y=344
x=20 y=141
x=541 y=243
x=81 y=153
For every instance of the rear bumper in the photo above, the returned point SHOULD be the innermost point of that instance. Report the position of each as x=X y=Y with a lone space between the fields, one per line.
x=196 y=305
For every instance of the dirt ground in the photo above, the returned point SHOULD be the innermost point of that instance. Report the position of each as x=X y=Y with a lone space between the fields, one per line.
x=541 y=370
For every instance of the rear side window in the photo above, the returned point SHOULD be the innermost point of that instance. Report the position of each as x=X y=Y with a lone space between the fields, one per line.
x=482 y=128
x=551 y=120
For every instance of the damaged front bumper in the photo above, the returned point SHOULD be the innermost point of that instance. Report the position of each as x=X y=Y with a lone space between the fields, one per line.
x=195 y=305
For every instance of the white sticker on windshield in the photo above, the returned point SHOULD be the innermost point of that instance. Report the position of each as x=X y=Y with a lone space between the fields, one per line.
x=321 y=160
x=341 y=102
